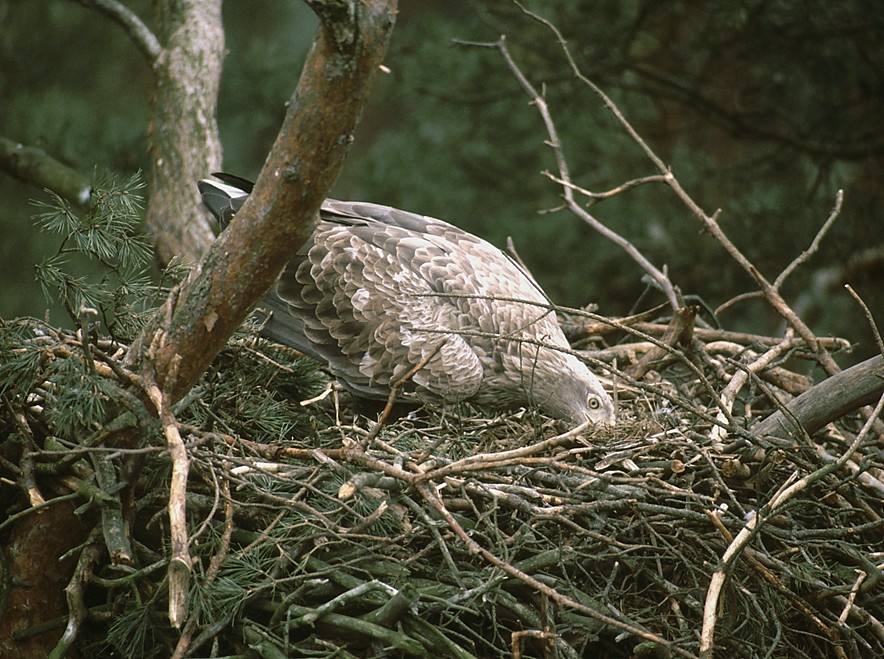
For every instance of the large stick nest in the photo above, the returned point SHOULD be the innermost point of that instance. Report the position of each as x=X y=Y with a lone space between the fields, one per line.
x=312 y=531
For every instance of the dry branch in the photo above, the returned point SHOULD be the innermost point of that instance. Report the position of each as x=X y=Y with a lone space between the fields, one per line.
x=678 y=333
x=180 y=562
x=770 y=291
x=729 y=393
x=831 y=399
x=657 y=275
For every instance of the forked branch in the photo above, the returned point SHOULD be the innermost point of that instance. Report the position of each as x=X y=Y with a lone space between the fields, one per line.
x=564 y=177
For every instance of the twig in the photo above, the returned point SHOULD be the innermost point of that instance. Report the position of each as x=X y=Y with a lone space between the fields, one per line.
x=310 y=616
x=511 y=248
x=678 y=331
x=184 y=642
x=860 y=473
x=492 y=460
x=180 y=562
x=75 y=592
x=742 y=297
x=15 y=517
x=394 y=391
x=773 y=296
x=595 y=88
x=26 y=481
x=860 y=577
x=344 y=625
x=541 y=634
x=706 y=334
x=729 y=393
x=600 y=196
x=868 y=312
x=814 y=245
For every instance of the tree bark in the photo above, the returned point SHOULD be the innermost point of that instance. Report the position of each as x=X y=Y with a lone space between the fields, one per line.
x=239 y=268
x=183 y=142
x=34 y=579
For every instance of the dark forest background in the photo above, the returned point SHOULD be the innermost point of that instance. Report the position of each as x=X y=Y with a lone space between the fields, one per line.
x=762 y=108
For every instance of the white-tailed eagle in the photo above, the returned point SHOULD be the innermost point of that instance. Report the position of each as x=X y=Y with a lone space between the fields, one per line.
x=376 y=290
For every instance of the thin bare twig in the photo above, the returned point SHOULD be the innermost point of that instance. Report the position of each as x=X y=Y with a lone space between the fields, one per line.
x=868 y=312
x=851 y=598
x=395 y=386
x=729 y=393
x=607 y=194
x=498 y=458
x=815 y=244
x=742 y=297
x=431 y=497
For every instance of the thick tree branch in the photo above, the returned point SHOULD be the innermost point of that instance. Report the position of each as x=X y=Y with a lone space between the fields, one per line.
x=831 y=399
x=277 y=218
x=32 y=165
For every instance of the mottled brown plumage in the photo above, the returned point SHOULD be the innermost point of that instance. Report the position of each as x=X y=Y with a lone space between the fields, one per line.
x=375 y=290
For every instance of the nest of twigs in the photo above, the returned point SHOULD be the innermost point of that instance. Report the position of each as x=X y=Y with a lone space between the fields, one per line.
x=455 y=533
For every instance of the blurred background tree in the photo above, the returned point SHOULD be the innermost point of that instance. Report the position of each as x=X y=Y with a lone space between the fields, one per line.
x=763 y=107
